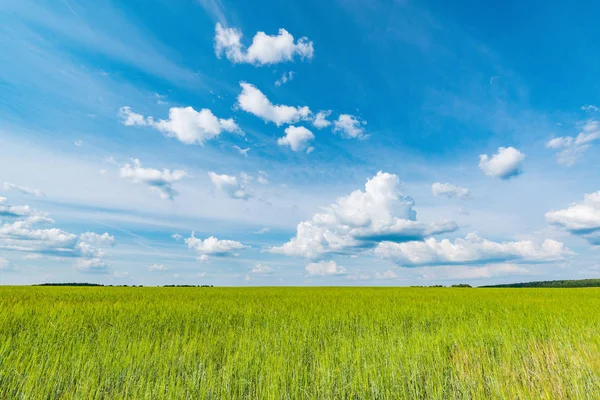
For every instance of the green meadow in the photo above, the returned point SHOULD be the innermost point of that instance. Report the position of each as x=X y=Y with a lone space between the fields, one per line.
x=298 y=343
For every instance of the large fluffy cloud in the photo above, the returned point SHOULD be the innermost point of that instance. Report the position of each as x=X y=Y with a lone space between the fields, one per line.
x=450 y=191
x=21 y=233
x=297 y=137
x=581 y=218
x=255 y=102
x=470 y=250
x=505 y=164
x=230 y=185
x=325 y=268
x=213 y=246
x=186 y=124
x=361 y=220
x=157 y=180
x=264 y=50
x=571 y=148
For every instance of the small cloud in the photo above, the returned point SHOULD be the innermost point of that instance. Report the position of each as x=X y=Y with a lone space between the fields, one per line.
x=297 y=138
x=157 y=180
x=230 y=185
x=505 y=164
x=590 y=107
x=243 y=152
x=263 y=230
x=450 y=191
x=350 y=126
x=177 y=236
x=287 y=76
x=78 y=143
x=325 y=268
x=260 y=269
x=24 y=190
x=157 y=268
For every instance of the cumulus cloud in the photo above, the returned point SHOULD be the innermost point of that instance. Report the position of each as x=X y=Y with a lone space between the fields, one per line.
x=349 y=126
x=21 y=234
x=185 y=124
x=325 y=268
x=470 y=250
x=255 y=102
x=297 y=137
x=260 y=269
x=572 y=148
x=450 y=191
x=582 y=219
x=321 y=120
x=158 y=181
x=361 y=220
x=213 y=247
x=505 y=164
x=24 y=190
x=230 y=185
x=287 y=76
x=264 y=50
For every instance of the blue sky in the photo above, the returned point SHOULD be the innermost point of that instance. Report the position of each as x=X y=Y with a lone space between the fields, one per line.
x=317 y=143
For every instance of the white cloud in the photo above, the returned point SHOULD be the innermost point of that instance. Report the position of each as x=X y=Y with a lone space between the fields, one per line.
x=4 y=264
x=350 y=126
x=321 y=120
x=573 y=147
x=255 y=102
x=287 y=76
x=360 y=220
x=590 y=107
x=358 y=277
x=213 y=246
x=243 y=152
x=229 y=185
x=177 y=236
x=191 y=126
x=130 y=118
x=92 y=266
x=505 y=164
x=386 y=275
x=24 y=190
x=260 y=269
x=186 y=124
x=262 y=178
x=450 y=191
x=96 y=239
x=158 y=268
x=456 y=272
x=264 y=50
x=262 y=231
x=470 y=250
x=157 y=180
x=22 y=235
x=582 y=219
x=325 y=268
x=78 y=143
x=297 y=137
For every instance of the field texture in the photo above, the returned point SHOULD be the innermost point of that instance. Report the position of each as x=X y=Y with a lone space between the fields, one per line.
x=298 y=343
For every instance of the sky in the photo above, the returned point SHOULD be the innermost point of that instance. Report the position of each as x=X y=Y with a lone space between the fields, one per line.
x=347 y=142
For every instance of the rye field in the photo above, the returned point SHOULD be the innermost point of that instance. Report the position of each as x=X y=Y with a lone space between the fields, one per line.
x=299 y=343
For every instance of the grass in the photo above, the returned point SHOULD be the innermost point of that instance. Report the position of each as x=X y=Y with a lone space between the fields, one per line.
x=298 y=343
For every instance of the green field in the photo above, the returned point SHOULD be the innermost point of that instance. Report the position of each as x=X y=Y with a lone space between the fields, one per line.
x=298 y=343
